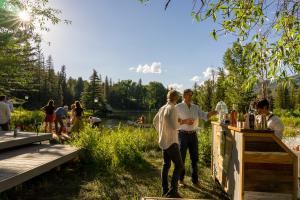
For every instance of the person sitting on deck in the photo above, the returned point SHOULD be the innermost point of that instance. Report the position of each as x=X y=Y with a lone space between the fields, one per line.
x=95 y=121
x=273 y=122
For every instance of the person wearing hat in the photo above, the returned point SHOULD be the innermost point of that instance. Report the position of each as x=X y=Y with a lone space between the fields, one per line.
x=60 y=114
x=188 y=117
x=166 y=124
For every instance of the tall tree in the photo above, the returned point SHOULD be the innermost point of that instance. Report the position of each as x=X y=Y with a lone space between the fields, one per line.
x=79 y=87
x=237 y=65
x=62 y=82
x=92 y=97
x=220 y=87
x=106 y=89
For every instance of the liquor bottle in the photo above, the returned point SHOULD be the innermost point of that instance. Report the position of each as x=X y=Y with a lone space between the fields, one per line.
x=251 y=120
x=263 y=122
x=233 y=116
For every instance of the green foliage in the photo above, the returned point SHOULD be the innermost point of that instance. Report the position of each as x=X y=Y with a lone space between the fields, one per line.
x=26 y=119
x=271 y=28
x=205 y=142
x=118 y=148
x=127 y=94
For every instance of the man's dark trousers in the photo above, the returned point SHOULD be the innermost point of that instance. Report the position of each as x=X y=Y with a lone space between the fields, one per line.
x=5 y=127
x=171 y=154
x=189 y=140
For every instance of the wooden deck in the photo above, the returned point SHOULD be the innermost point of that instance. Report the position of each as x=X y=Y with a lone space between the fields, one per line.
x=162 y=198
x=7 y=140
x=20 y=165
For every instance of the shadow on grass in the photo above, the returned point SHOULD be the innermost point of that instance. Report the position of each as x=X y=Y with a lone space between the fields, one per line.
x=78 y=180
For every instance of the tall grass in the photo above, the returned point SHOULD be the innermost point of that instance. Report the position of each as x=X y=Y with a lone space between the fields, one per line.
x=114 y=149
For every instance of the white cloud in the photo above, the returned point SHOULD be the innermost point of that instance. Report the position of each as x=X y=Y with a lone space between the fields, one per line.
x=209 y=72
x=176 y=86
x=196 y=78
x=155 y=68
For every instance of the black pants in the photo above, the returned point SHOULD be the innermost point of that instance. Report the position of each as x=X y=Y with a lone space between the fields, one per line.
x=59 y=120
x=171 y=154
x=189 y=141
x=5 y=127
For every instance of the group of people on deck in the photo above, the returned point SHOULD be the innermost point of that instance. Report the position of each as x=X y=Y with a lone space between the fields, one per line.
x=177 y=127
x=59 y=114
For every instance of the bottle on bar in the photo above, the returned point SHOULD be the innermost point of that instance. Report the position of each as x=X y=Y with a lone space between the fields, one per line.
x=251 y=117
x=233 y=116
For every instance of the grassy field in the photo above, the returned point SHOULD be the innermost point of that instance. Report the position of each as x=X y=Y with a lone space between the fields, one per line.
x=121 y=163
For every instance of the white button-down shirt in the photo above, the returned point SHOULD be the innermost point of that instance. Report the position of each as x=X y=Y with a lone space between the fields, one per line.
x=166 y=124
x=4 y=113
x=194 y=112
x=275 y=124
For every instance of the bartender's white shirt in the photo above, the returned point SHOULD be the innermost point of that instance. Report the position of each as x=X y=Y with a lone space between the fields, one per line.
x=185 y=112
x=275 y=124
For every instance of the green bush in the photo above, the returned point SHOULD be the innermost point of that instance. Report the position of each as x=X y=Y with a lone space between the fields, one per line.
x=26 y=119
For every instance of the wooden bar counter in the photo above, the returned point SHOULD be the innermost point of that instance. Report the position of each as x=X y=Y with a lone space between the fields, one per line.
x=253 y=164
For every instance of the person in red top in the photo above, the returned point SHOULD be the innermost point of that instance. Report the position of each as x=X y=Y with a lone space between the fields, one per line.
x=49 y=111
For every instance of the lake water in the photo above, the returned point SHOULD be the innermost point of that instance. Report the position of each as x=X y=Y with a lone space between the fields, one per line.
x=115 y=118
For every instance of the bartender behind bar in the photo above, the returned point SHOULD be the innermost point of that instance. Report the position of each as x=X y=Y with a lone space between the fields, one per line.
x=273 y=122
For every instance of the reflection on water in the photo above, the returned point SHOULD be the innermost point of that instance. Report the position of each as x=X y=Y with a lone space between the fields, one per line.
x=114 y=119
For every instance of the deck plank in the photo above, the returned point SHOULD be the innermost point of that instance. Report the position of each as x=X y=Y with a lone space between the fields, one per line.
x=7 y=140
x=16 y=169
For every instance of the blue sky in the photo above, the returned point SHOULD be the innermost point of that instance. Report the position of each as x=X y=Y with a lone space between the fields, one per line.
x=123 y=39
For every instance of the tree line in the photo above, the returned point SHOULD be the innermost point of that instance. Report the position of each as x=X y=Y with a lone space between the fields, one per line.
x=39 y=82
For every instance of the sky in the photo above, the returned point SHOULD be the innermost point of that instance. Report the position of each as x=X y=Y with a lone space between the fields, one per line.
x=124 y=39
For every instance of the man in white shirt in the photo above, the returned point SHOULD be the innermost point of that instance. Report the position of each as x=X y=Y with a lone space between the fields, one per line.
x=10 y=104
x=188 y=116
x=273 y=122
x=4 y=114
x=166 y=124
